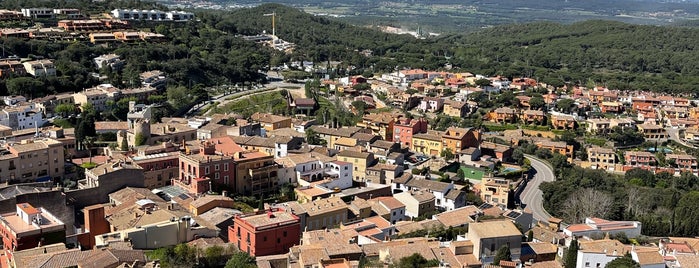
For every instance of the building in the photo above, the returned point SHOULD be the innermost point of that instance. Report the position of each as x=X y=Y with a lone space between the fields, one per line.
x=533 y=117
x=330 y=135
x=682 y=161
x=38 y=13
x=271 y=232
x=503 y=115
x=102 y=38
x=456 y=139
x=111 y=60
x=563 y=121
x=31 y=161
x=208 y=202
x=388 y=207
x=97 y=97
x=154 y=79
x=277 y=146
x=431 y=104
x=652 y=132
x=495 y=191
x=48 y=104
x=10 y=68
x=429 y=143
x=639 y=158
x=405 y=128
x=359 y=160
x=601 y=158
x=598 y=253
x=456 y=108
x=24 y=116
x=557 y=147
x=40 y=67
x=380 y=124
x=29 y=227
x=499 y=151
x=489 y=236
x=271 y=122
x=319 y=214
x=446 y=197
x=599 y=227
x=168 y=232
x=611 y=107
x=417 y=203
x=126 y=14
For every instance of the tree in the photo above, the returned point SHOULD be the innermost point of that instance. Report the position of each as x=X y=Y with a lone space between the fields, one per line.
x=313 y=138
x=565 y=105
x=241 y=260
x=447 y=154
x=571 y=256
x=124 y=143
x=623 y=262
x=415 y=261
x=686 y=215
x=536 y=103
x=530 y=236
x=140 y=139
x=503 y=254
x=587 y=203
x=483 y=82
x=65 y=109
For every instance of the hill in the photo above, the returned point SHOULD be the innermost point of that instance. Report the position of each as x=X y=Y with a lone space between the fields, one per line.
x=619 y=55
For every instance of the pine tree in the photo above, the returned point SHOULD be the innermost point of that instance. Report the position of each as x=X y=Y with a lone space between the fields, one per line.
x=124 y=143
x=503 y=254
x=571 y=257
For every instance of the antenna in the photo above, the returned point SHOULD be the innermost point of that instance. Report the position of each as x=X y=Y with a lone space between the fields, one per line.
x=273 y=14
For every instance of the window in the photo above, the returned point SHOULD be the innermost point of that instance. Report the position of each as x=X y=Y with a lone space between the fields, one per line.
x=264 y=239
x=279 y=240
x=225 y=167
x=206 y=170
x=587 y=264
x=284 y=233
x=216 y=167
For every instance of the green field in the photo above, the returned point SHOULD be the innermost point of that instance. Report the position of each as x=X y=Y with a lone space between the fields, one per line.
x=472 y=173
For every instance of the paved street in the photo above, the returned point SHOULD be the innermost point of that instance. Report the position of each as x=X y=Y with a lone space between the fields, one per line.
x=674 y=134
x=531 y=196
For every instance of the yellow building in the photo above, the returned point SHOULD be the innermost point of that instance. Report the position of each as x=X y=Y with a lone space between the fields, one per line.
x=601 y=157
x=495 y=191
x=427 y=143
x=557 y=147
x=360 y=161
x=324 y=213
x=271 y=122
x=455 y=108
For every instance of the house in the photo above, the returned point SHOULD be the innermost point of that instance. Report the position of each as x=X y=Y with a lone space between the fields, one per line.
x=43 y=68
x=533 y=117
x=97 y=96
x=270 y=121
x=25 y=116
x=598 y=253
x=154 y=79
x=370 y=230
x=499 y=151
x=456 y=108
x=682 y=161
x=29 y=227
x=639 y=158
x=652 y=132
x=359 y=160
x=557 y=147
x=10 y=68
x=538 y=252
x=322 y=213
x=503 y=115
x=330 y=135
x=111 y=60
x=495 y=191
x=209 y=202
x=601 y=158
x=489 y=236
x=388 y=207
x=304 y=105
x=611 y=107
x=598 y=126
x=417 y=203
x=270 y=232
x=460 y=217
x=456 y=139
x=429 y=143
x=444 y=201
x=405 y=128
x=600 y=227
x=431 y=104
x=380 y=124
x=563 y=121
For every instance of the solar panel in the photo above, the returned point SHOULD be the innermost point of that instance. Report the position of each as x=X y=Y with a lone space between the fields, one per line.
x=485 y=206
x=513 y=214
x=183 y=196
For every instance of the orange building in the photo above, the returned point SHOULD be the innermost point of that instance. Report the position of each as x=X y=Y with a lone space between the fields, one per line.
x=459 y=138
x=272 y=232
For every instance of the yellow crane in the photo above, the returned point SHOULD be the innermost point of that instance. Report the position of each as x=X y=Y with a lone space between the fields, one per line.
x=273 y=14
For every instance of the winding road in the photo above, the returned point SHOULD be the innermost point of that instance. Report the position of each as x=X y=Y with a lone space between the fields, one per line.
x=531 y=196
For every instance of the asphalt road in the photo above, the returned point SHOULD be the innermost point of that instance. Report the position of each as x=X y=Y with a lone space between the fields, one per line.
x=674 y=134
x=531 y=196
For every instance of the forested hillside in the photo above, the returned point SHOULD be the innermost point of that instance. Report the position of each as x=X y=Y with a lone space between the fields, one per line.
x=619 y=55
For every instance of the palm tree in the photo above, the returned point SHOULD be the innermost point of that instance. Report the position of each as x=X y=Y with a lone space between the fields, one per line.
x=89 y=142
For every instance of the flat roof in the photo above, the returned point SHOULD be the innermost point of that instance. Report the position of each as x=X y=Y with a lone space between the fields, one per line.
x=275 y=218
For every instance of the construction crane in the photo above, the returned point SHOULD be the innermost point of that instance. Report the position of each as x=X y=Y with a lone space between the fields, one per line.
x=273 y=14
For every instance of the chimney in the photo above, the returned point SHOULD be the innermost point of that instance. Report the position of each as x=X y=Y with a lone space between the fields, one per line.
x=224 y=193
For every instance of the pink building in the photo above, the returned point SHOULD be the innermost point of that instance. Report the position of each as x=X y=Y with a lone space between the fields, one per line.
x=404 y=129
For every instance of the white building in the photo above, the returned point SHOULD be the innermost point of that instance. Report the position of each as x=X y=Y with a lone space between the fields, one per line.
x=40 y=67
x=22 y=117
x=598 y=253
x=134 y=14
x=313 y=168
x=600 y=227
x=111 y=60
x=38 y=13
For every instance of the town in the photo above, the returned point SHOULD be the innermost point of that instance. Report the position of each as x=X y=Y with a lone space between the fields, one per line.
x=441 y=168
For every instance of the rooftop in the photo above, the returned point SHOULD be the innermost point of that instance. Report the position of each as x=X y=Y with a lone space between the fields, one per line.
x=270 y=219
x=492 y=229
